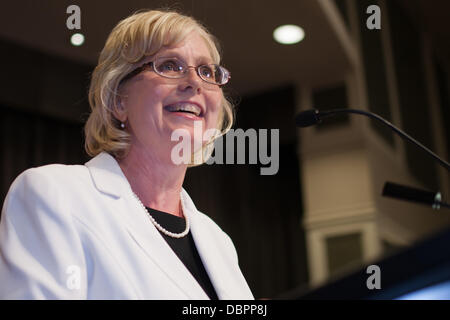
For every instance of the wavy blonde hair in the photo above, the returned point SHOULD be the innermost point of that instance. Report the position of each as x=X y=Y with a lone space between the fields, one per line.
x=133 y=39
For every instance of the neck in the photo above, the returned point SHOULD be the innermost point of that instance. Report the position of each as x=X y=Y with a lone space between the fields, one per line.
x=157 y=183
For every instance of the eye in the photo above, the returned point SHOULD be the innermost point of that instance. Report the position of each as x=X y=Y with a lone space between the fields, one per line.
x=170 y=66
x=207 y=72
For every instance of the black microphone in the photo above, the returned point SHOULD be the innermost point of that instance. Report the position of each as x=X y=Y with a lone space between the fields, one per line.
x=308 y=118
x=312 y=117
x=399 y=191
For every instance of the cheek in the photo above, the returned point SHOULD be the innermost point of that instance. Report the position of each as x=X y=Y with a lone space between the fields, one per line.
x=159 y=92
x=148 y=92
x=148 y=103
x=215 y=110
x=152 y=98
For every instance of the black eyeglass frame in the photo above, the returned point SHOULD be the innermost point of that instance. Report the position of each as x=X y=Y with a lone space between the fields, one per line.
x=151 y=64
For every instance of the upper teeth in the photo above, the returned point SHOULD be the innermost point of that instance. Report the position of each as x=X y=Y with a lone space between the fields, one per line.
x=185 y=107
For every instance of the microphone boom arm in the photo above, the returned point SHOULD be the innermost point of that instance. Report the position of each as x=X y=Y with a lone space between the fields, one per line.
x=322 y=114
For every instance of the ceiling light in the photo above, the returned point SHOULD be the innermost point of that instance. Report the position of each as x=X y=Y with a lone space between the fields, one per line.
x=288 y=34
x=77 y=39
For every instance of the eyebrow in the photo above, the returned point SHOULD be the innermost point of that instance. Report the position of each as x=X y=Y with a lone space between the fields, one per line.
x=172 y=54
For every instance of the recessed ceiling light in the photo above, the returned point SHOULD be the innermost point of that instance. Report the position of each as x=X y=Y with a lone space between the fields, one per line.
x=288 y=34
x=77 y=39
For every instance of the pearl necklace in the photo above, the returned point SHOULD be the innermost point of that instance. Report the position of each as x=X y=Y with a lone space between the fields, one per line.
x=161 y=228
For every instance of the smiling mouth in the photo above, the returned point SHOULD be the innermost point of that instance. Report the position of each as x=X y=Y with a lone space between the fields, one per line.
x=185 y=107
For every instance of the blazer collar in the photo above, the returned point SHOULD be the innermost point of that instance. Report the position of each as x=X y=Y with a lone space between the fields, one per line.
x=107 y=175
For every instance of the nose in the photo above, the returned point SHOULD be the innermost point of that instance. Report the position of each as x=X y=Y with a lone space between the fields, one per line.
x=191 y=81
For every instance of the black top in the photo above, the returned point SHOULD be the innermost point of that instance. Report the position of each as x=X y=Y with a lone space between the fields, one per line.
x=184 y=248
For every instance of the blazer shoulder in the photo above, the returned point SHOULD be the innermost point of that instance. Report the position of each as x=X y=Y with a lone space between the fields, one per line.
x=51 y=172
x=43 y=179
x=58 y=170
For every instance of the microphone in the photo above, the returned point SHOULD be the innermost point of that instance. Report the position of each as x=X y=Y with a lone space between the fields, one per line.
x=312 y=117
x=308 y=118
x=429 y=198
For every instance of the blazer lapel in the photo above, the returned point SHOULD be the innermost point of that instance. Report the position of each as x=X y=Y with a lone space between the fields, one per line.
x=156 y=248
x=109 y=179
x=216 y=265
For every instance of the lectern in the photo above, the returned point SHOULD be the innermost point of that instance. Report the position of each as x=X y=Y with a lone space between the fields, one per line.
x=421 y=271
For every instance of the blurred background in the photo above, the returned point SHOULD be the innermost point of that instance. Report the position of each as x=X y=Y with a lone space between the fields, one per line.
x=322 y=214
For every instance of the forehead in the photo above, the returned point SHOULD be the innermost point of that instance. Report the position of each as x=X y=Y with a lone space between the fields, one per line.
x=193 y=48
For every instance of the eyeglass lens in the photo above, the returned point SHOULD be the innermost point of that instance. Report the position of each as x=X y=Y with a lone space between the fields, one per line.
x=175 y=68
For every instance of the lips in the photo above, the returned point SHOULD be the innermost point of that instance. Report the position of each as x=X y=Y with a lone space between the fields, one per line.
x=186 y=107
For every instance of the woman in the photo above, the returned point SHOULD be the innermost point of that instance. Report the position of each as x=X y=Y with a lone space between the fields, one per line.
x=122 y=226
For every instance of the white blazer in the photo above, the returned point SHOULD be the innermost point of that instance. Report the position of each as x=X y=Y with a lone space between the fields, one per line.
x=77 y=232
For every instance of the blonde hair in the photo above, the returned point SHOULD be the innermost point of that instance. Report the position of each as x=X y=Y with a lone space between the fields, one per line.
x=134 y=38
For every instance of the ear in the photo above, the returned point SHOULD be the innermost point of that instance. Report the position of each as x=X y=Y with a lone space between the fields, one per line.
x=120 y=111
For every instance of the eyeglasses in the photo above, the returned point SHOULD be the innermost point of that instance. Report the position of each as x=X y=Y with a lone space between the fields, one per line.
x=175 y=68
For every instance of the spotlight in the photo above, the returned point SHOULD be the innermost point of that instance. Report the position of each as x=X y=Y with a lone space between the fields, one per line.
x=77 y=39
x=288 y=34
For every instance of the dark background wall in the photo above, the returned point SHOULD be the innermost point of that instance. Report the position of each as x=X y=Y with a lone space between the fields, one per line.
x=43 y=103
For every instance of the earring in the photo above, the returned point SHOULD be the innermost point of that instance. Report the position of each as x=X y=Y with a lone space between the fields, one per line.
x=122 y=125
